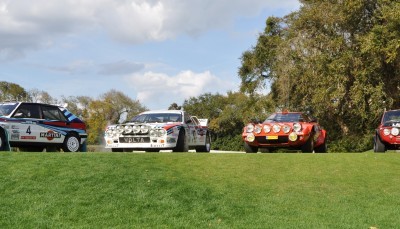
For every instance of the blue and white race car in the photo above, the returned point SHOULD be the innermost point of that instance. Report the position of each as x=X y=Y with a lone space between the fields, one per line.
x=37 y=126
x=153 y=131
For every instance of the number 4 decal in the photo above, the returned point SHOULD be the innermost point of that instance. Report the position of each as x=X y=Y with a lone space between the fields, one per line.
x=28 y=131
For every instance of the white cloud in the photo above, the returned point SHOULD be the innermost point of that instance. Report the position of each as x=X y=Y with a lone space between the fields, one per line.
x=30 y=26
x=158 y=88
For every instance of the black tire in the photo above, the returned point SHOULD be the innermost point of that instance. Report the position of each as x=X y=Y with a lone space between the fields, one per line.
x=250 y=149
x=182 y=144
x=117 y=150
x=308 y=147
x=207 y=146
x=3 y=143
x=71 y=143
x=379 y=147
x=322 y=148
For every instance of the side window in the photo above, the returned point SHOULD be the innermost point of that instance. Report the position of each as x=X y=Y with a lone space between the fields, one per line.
x=27 y=111
x=52 y=113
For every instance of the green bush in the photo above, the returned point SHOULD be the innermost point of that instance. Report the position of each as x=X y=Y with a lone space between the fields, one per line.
x=352 y=143
x=228 y=143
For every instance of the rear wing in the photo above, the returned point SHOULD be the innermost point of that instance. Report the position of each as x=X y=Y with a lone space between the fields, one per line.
x=203 y=121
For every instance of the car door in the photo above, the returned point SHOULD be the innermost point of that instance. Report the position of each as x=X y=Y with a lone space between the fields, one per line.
x=27 y=117
x=54 y=123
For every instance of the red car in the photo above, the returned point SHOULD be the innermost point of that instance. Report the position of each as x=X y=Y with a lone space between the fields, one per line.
x=387 y=135
x=291 y=130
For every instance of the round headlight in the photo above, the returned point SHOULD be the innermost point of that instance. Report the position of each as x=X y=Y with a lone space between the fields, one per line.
x=249 y=128
x=153 y=133
x=128 y=129
x=276 y=128
x=297 y=127
x=293 y=136
x=161 y=132
x=386 y=132
x=136 y=129
x=257 y=129
x=395 y=131
x=120 y=129
x=250 y=138
x=144 y=129
x=114 y=133
x=286 y=129
x=267 y=129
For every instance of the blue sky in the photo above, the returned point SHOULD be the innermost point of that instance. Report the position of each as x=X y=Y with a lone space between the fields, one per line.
x=156 y=51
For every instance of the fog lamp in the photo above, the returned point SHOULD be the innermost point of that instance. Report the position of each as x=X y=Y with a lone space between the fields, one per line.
x=250 y=138
x=293 y=136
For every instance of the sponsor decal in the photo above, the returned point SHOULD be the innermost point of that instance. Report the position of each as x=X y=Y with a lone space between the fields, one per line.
x=50 y=135
x=28 y=137
x=14 y=136
x=14 y=127
x=15 y=131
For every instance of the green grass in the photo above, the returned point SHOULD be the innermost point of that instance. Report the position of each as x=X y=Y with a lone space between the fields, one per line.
x=172 y=190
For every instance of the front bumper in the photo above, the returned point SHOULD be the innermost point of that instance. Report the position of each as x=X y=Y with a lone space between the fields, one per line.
x=281 y=140
x=154 y=143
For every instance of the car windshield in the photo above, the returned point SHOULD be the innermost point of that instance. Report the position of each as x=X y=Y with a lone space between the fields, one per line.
x=7 y=108
x=157 y=117
x=285 y=117
x=391 y=116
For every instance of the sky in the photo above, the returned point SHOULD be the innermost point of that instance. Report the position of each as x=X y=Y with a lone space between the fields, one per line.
x=158 y=52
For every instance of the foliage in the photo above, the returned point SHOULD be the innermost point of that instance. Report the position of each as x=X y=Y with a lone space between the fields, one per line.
x=168 y=190
x=174 y=106
x=341 y=58
x=228 y=114
x=38 y=96
x=352 y=143
x=12 y=92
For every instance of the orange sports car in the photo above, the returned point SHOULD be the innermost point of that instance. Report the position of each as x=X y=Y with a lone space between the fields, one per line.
x=291 y=130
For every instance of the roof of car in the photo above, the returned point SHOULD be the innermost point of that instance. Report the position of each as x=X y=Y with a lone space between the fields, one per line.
x=163 y=111
x=46 y=104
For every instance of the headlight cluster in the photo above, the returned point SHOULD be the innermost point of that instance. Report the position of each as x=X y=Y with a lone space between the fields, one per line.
x=157 y=132
x=111 y=132
x=394 y=131
x=114 y=131
x=250 y=128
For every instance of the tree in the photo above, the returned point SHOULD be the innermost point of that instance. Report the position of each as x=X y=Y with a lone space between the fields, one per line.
x=174 y=106
x=228 y=114
x=121 y=106
x=12 y=92
x=38 y=96
x=78 y=105
x=341 y=58
x=113 y=107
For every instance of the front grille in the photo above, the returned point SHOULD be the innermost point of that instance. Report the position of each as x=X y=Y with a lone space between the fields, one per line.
x=280 y=140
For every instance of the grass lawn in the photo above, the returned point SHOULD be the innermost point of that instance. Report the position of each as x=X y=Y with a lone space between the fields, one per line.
x=189 y=190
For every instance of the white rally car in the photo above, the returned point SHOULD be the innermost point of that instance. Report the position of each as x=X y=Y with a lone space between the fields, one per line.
x=153 y=131
x=37 y=126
